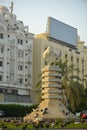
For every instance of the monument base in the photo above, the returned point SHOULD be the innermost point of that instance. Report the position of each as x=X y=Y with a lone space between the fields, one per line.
x=50 y=109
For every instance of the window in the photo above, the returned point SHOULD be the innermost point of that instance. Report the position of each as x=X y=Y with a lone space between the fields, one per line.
x=77 y=52
x=83 y=70
x=2 y=49
x=8 y=35
x=83 y=61
x=20 y=53
x=1 y=36
x=0 y=77
x=14 y=91
x=7 y=77
x=20 y=41
x=25 y=80
x=20 y=67
x=77 y=60
x=72 y=58
x=21 y=80
x=66 y=56
x=0 y=63
x=26 y=41
x=25 y=66
x=70 y=49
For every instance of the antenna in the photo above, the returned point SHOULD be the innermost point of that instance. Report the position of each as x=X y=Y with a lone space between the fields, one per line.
x=11 y=7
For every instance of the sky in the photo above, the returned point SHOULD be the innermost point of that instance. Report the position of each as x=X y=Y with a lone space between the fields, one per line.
x=34 y=13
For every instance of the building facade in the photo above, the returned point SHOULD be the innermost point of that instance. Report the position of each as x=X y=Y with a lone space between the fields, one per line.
x=76 y=56
x=16 y=47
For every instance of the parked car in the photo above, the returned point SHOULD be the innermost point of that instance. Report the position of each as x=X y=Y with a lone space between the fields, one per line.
x=83 y=114
x=2 y=113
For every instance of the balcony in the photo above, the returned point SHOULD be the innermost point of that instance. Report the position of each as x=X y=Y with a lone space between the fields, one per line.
x=14 y=85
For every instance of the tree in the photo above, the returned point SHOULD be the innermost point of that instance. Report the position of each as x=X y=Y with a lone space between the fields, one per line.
x=72 y=89
x=76 y=95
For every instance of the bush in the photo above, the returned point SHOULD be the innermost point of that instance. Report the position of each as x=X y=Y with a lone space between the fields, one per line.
x=13 y=110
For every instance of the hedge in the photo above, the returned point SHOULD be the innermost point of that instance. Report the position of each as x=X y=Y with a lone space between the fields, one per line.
x=13 y=110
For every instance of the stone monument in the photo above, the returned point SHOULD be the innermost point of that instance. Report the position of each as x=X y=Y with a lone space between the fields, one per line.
x=51 y=106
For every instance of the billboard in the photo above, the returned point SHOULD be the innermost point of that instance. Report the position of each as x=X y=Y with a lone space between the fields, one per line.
x=61 y=31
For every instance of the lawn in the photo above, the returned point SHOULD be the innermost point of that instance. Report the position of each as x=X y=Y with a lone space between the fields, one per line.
x=20 y=126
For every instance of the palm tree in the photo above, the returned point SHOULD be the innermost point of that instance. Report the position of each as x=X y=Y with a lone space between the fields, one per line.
x=76 y=95
x=73 y=90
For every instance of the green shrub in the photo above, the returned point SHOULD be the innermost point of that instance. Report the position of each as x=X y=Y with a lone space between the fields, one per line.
x=13 y=110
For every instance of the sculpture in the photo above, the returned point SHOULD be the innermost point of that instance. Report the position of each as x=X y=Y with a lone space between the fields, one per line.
x=51 y=106
x=50 y=55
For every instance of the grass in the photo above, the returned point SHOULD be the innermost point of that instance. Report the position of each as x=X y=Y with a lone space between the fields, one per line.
x=80 y=126
x=11 y=125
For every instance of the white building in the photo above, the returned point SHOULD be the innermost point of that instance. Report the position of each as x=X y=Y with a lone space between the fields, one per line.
x=16 y=45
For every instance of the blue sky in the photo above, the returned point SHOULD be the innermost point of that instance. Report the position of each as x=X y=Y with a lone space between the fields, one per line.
x=34 y=13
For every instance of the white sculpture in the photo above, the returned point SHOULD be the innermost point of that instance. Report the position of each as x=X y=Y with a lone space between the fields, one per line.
x=51 y=106
x=50 y=55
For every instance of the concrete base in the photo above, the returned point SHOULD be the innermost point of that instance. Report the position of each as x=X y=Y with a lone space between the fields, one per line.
x=52 y=109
